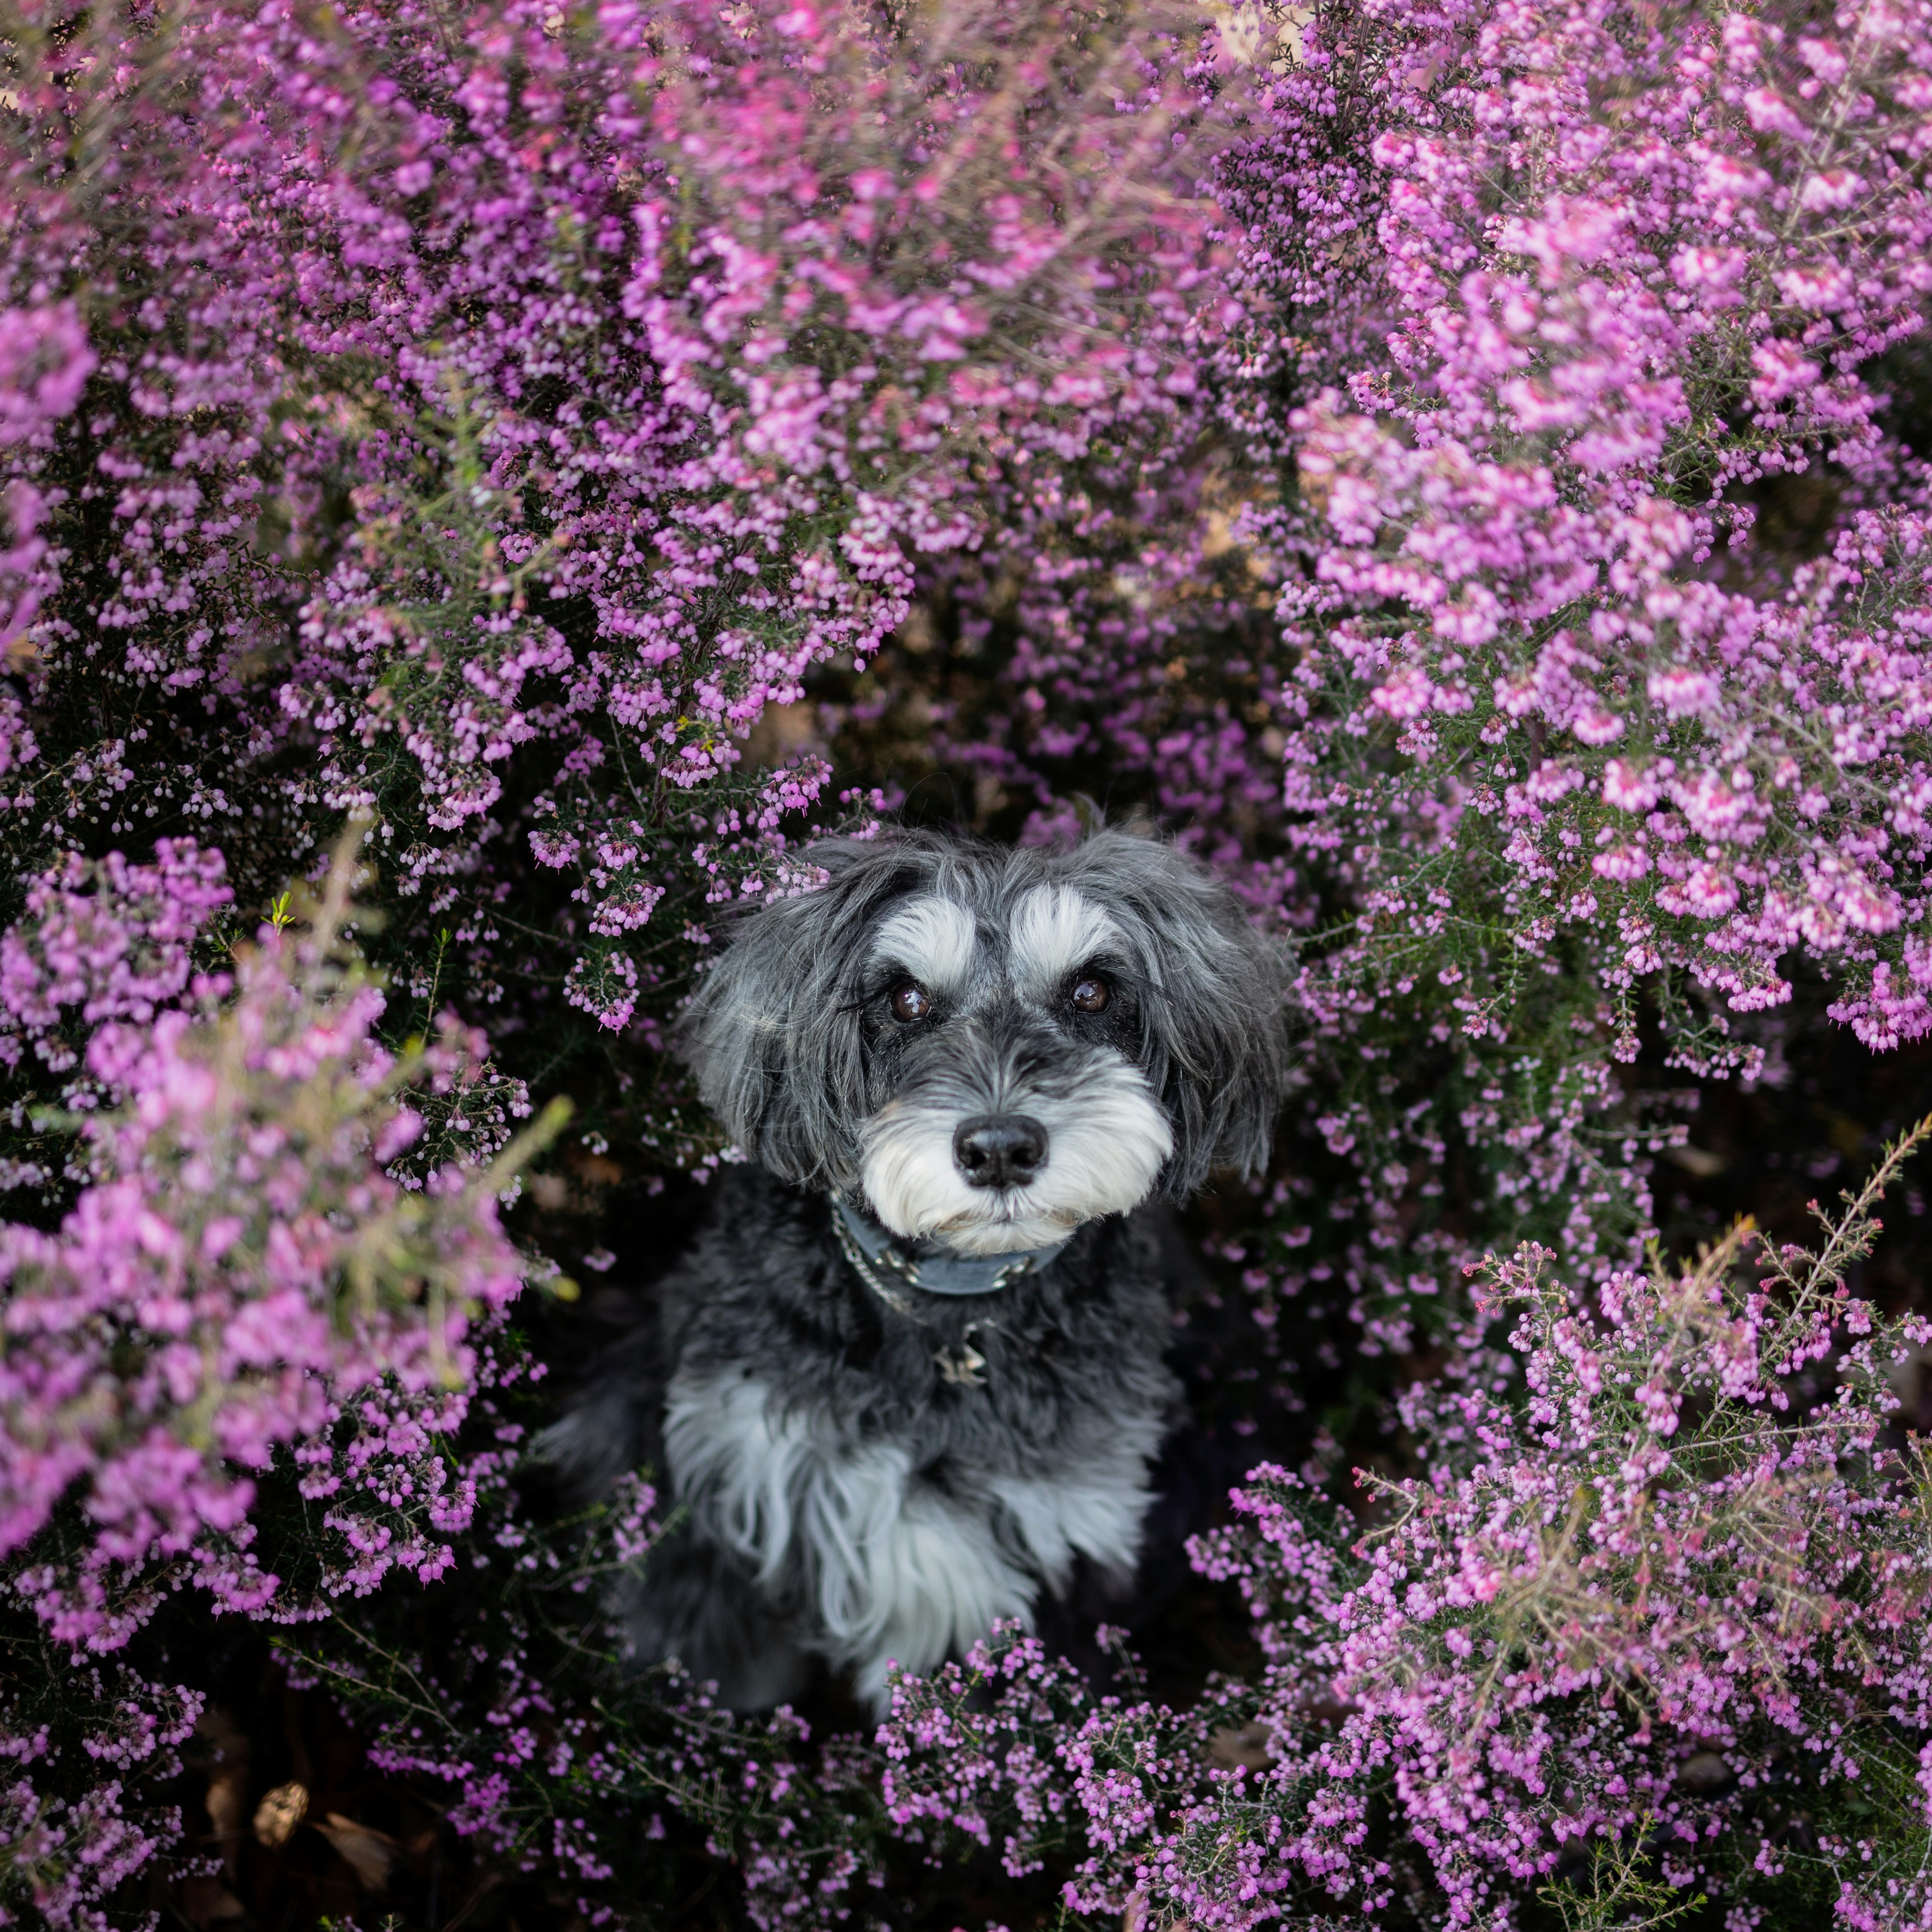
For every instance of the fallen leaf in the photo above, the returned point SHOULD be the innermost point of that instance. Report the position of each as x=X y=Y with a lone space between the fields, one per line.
x=227 y=1801
x=1248 y=1747
x=1705 y=1771
x=368 y=1853
x=278 y=1814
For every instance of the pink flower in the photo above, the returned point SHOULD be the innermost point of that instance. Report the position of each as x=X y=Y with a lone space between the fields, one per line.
x=1782 y=371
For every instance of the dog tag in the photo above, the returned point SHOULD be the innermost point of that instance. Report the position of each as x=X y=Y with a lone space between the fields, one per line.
x=961 y=1367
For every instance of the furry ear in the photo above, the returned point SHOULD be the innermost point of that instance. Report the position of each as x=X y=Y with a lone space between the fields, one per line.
x=773 y=1032
x=1215 y=1046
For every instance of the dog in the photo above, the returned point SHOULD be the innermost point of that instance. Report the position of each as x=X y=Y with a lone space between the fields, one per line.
x=910 y=1374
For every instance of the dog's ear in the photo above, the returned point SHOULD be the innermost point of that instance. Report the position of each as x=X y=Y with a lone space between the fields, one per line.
x=1213 y=1005
x=773 y=1031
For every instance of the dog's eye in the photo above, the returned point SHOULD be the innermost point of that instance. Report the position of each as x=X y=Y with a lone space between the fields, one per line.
x=1091 y=995
x=910 y=1002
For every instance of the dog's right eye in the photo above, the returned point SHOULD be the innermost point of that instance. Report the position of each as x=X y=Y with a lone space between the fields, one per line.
x=910 y=1002
x=1090 y=993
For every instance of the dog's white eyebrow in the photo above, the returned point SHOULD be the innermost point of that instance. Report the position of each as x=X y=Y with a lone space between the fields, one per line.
x=1053 y=930
x=932 y=938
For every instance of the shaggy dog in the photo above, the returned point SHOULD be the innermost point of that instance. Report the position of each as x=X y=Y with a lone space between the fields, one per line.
x=910 y=1373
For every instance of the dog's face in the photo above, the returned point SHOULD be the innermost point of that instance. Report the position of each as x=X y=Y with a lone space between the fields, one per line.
x=996 y=1046
x=1007 y=1102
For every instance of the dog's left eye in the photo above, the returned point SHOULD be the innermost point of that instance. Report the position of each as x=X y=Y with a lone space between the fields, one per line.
x=910 y=1002
x=1091 y=994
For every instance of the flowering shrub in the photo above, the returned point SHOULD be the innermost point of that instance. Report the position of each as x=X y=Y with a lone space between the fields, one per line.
x=255 y=1271
x=79 y=961
x=617 y=371
x=244 y=1275
x=1460 y=468
x=559 y=1784
x=1657 y=1589
x=1577 y=741
x=1710 y=775
x=64 y=1857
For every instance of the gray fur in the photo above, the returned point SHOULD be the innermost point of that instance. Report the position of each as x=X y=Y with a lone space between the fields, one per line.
x=843 y=1500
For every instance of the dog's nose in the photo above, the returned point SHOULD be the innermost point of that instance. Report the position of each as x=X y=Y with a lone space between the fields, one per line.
x=999 y=1150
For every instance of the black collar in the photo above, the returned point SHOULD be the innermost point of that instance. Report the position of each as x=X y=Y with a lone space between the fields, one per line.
x=886 y=1267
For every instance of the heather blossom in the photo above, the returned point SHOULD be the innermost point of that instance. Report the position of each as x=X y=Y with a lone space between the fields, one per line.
x=1537 y=577
x=80 y=959
x=266 y=1264
x=250 y=1270
x=692 y=325
x=1660 y=1584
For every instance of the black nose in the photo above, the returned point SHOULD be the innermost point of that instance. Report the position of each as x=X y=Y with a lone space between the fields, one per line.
x=999 y=1150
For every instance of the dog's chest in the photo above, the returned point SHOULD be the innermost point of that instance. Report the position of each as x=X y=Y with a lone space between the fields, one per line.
x=890 y=1559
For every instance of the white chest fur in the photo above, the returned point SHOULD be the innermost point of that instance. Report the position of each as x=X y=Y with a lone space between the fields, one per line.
x=894 y=1568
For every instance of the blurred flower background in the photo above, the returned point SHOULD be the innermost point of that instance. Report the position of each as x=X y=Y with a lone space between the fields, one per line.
x=482 y=481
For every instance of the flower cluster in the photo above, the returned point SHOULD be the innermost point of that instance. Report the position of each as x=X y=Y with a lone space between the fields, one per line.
x=101 y=948
x=1661 y=1587
x=64 y=1859
x=242 y=1278
x=1569 y=439
x=263 y=1280
x=549 y=1753
x=617 y=369
x=1589 y=673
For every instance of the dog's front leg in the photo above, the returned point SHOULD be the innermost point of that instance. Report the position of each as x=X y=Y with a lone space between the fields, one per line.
x=861 y=1557
x=696 y=1604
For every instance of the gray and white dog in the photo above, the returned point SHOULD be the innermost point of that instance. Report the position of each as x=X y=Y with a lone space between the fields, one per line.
x=910 y=1373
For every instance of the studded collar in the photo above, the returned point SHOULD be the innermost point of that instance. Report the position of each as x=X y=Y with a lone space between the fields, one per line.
x=887 y=1269
x=889 y=1272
